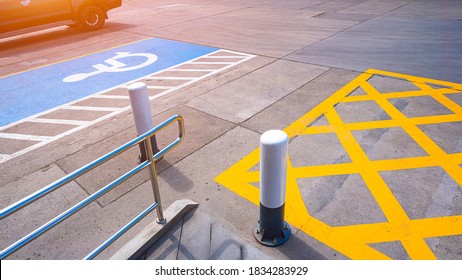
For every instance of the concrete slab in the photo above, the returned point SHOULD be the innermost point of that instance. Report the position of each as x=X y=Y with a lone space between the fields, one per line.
x=446 y=135
x=287 y=110
x=444 y=9
x=9 y=146
x=133 y=19
x=329 y=200
x=336 y=5
x=35 y=215
x=376 y=6
x=381 y=144
x=52 y=46
x=263 y=36
x=457 y=98
x=253 y=93
x=423 y=197
x=399 y=44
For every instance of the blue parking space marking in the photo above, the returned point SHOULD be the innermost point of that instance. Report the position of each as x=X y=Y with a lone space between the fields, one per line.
x=25 y=94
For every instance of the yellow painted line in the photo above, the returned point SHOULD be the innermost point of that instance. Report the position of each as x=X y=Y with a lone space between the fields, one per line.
x=414 y=79
x=355 y=241
x=403 y=94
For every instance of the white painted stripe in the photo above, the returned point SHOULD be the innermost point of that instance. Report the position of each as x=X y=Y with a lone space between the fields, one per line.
x=111 y=96
x=224 y=56
x=233 y=52
x=192 y=70
x=18 y=136
x=4 y=157
x=58 y=121
x=152 y=87
x=161 y=87
x=90 y=108
x=171 y=78
x=212 y=63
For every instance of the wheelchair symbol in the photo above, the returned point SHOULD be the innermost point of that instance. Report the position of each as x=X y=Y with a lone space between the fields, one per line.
x=115 y=66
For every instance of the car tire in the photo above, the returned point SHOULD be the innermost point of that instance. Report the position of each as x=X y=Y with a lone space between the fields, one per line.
x=92 y=18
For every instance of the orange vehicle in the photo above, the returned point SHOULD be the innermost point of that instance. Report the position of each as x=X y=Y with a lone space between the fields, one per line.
x=31 y=15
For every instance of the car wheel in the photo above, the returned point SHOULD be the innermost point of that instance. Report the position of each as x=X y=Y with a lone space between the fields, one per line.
x=92 y=18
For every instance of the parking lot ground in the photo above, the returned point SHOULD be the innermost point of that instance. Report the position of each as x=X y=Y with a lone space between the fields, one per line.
x=368 y=91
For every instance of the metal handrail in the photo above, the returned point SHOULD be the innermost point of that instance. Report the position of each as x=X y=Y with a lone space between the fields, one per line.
x=150 y=162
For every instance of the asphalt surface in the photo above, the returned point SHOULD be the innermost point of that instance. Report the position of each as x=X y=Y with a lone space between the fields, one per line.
x=369 y=93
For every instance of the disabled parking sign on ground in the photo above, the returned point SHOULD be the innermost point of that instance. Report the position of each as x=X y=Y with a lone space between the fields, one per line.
x=31 y=92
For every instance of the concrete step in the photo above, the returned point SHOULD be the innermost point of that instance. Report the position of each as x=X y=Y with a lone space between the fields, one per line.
x=191 y=234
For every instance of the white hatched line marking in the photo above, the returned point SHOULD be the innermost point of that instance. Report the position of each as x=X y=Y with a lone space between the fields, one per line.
x=44 y=140
x=51 y=139
x=58 y=121
x=225 y=56
x=18 y=136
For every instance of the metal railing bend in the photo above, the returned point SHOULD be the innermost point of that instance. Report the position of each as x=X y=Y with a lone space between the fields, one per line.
x=149 y=163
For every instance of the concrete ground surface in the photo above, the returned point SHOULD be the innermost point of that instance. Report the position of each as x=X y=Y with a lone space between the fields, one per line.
x=369 y=91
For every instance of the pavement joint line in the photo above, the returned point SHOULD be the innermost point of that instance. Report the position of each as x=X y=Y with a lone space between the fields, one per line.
x=111 y=111
x=353 y=240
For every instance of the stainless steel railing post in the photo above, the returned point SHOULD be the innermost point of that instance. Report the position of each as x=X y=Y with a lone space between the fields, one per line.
x=154 y=183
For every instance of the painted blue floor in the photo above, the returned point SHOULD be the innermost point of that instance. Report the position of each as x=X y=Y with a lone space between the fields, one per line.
x=31 y=92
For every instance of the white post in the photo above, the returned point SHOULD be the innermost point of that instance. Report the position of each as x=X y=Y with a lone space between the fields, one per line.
x=141 y=107
x=271 y=229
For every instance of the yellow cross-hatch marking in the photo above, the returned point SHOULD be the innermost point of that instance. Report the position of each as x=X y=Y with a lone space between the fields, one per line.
x=353 y=240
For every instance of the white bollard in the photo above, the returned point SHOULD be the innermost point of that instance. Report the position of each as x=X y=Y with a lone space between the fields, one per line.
x=139 y=100
x=271 y=229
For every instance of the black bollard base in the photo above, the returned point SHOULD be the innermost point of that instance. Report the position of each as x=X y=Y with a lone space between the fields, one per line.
x=272 y=240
